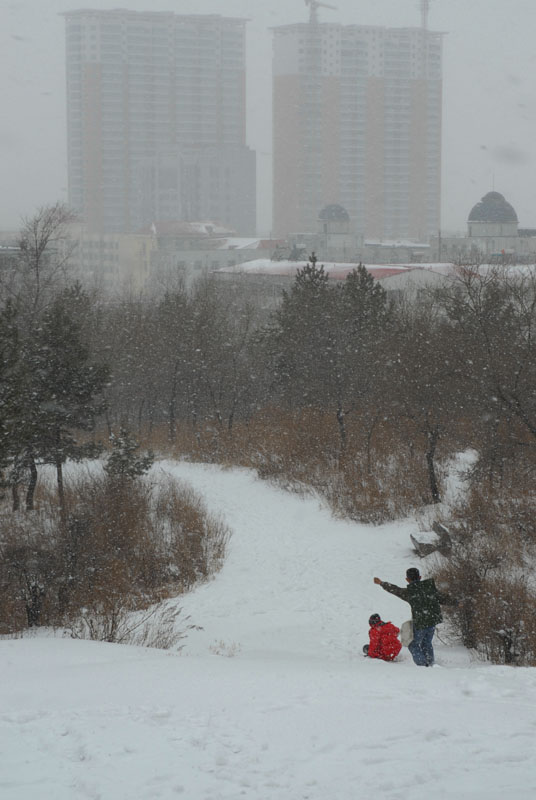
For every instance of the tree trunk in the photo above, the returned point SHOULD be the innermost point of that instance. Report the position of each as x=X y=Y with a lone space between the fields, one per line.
x=433 y=437
x=172 y=411
x=468 y=625
x=108 y=422
x=369 y=444
x=30 y=491
x=140 y=416
x=61 y=492
x=34 y=604
x=342 y=426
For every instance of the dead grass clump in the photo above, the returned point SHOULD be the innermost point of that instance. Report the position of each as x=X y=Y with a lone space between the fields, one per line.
x=390 y=492
x=195 y=540
x=124 y=545
x=159 y=627
x=29 y=563
x=496 y=614
x=492 y=554
x=507 y=606
x=377 y=473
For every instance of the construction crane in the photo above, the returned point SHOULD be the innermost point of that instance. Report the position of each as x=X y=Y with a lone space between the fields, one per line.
x=313 y=9
x=425 y=10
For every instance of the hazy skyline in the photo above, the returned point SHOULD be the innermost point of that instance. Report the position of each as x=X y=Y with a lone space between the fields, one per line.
x=489 y=109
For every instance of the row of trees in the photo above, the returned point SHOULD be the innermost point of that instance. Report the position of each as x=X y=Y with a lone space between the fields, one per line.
x=456 y=369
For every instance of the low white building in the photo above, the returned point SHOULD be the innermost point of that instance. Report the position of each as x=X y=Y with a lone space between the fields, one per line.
x=159 y=256
x=267 y=279
x=336 y=239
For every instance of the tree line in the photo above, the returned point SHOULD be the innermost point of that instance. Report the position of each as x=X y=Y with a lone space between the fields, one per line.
x=456 y=368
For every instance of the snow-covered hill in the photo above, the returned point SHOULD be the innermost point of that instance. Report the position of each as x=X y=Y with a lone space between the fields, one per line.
x=272 y=699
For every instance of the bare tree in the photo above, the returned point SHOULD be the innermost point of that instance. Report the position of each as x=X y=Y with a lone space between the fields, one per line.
x=424 y=374
x=493 y=312
x=45 y=249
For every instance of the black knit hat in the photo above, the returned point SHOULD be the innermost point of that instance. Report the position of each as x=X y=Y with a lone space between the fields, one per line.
x=413 y=574
x=374 y=619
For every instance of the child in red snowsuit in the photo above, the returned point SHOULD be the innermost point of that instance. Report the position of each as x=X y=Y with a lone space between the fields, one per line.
x=383 y=637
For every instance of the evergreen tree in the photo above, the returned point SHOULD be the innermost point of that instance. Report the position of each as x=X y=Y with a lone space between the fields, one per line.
x=364 y=318
x=63 y=388
x=124 y=462
x=300 y=339
x=324 y=341
x=365 y=303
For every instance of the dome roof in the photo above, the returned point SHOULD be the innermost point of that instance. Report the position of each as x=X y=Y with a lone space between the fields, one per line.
x=334 y=213
x=493 y=208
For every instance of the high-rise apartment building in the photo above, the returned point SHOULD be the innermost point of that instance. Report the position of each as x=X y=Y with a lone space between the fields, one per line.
x=156 y=119
x=357 y=122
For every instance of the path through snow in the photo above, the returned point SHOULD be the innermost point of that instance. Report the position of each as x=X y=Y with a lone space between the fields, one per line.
x=272 y=700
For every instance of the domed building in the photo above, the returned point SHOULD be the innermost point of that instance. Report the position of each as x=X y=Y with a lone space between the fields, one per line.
x=335 y=237
x=492 y=216
x=334 y=219
x=493 y=234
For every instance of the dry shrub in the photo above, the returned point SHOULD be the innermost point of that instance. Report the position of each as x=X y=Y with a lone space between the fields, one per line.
x=29 y=546
x=382 y=477
x=493 y=551
x=511 y=504
x=195 y=540
x=107 y=542
x=159 y=627
x=379 y=474
x=293 y=447
x=125 y=545
x=496 y=614
x=507 y=456
x=508 y=607
x=389 y=493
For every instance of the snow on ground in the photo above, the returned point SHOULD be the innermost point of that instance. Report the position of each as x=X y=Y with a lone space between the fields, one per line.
x=272 y=699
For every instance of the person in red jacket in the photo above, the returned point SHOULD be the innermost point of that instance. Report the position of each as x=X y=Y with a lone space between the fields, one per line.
x=383 y=638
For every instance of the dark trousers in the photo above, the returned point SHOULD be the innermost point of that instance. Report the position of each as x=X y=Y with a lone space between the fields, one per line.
x=421 y=647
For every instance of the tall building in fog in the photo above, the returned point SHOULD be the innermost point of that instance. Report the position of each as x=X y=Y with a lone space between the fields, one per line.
x=156 y=120
x=357 y=122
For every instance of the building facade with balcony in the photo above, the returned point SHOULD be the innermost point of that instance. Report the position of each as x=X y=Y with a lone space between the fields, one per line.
x=156 y=119
x=357 y=122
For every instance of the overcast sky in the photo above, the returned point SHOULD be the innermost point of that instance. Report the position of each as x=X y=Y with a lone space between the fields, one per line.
x=489 y=108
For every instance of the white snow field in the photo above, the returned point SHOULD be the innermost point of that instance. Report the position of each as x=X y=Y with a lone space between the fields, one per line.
x=272 y=700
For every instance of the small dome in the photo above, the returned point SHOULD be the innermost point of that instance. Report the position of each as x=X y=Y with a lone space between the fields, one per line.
x=334 y=213
x=493 y=208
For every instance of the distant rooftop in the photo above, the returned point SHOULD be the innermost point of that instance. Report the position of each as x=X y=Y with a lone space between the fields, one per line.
x=334 y=213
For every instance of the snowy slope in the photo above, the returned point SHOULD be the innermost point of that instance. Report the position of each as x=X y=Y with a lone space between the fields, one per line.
x=272 y=699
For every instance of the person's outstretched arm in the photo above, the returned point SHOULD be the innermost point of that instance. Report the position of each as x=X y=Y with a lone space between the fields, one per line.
x=392 y=589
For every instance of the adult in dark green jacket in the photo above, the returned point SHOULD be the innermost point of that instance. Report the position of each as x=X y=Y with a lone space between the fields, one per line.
x=425 y=601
